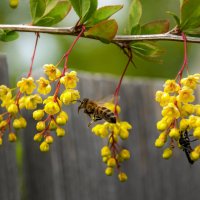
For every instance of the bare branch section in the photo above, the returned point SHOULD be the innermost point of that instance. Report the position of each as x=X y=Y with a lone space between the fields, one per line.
x=119 y=38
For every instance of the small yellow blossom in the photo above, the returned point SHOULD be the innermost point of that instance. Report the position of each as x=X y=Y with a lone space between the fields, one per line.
x=122 y=177
x=171 y=86
x=52 y=108
x=44 y=86
x=44 y=146
x=38 y=114
x=171 y=111
x=109 y=171
x=5 y=92
x=185 y=95
x=167 y=153
x=52 y=72
x=70 y=79
x=69 y=96
x=31 y=102
x=191 y=81
x=26 y=85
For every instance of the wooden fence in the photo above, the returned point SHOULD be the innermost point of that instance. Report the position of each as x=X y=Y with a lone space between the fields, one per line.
x=73 y=170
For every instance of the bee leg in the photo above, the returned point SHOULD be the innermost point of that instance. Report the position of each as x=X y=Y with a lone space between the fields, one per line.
x=90 y=123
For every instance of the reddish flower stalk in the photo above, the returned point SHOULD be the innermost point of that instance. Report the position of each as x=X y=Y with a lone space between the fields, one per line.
x=116 y=94
x=185 y=60
x=33 y=56
x=66 y=55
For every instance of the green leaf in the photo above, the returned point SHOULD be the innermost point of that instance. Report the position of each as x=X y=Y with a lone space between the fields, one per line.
x=84 y=8
x=147 y=50
x=176 y=18
x=54 y=13
x=190 y=14
x=104 y=31
x=136 y=30
x=102 y=14
x=37 y=9
x=7 y=35
x=135 y=14
x=91 y=11
x=155 y=27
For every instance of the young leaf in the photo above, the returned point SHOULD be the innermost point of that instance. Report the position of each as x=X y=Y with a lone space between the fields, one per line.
x=104 y=31
x=135 y=14
x=190 y=14
x=102 y=14
x=84 y=8
x=37 y=9
x=176 y=18
x=147 y=50
x=54 y=13
x=91 y=11
x=7 y=36
x=155 y=27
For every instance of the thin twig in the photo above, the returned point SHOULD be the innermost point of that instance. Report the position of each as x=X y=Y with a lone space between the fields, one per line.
x=119 y=38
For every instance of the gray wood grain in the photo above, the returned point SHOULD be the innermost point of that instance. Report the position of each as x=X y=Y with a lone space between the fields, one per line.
x=73 y=170
x=9 y=187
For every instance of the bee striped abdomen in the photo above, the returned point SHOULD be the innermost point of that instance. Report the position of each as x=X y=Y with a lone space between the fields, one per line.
x=108 y=115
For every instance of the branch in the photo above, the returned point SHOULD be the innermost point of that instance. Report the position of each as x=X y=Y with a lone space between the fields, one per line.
x=119 y=38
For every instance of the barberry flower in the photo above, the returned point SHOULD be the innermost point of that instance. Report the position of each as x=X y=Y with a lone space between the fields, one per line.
x=44 y=86
x=52 y=72
x=26 y=85
x=69 y=80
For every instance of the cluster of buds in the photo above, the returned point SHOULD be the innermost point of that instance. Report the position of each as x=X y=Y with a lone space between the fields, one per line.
x=51 y=117
x=113 y=154
x=180 y=117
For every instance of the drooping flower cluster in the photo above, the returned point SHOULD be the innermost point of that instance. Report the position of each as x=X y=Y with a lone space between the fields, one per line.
x=51 y=116
x=113 y=154
x=180 y=116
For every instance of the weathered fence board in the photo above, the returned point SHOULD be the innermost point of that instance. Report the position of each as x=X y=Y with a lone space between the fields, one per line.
x=9 y=188
x=73 y=169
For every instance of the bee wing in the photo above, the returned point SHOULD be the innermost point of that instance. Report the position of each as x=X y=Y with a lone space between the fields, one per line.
x=107 y=99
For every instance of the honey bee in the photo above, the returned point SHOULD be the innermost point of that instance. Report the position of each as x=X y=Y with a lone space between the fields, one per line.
x=185 y=143
x=96 y=112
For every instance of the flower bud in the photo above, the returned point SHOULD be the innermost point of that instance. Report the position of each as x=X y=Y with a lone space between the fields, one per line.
x=125 y=154
x=109 y=171
x=49 y=139
x=167 y=153
x=194 y=155
x=105 y=151
x=60 y=132
x=122 y=177
x=13 y=109
x=44 y=147
x=38 y=137
x=40 y=126
x=111 y=162
x=12 y=137
x=38 y=114
x=159 y=143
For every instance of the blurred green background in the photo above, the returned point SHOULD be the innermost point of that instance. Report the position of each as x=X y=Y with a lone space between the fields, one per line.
x=91 y=55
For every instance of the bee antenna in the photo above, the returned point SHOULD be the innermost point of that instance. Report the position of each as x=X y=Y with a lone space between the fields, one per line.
x=77 y=101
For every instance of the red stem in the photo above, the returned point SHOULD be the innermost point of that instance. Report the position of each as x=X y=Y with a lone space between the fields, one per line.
x=33 y=56
x=66 y=60
x=119 y=86
x=185 y=61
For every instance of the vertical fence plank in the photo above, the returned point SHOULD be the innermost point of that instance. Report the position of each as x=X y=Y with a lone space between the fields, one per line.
x=9 y=188
x=73 y=169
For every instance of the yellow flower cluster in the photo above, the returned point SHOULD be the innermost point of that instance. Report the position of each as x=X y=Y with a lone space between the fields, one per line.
x=51 y=117
x=179 y=115
x=113 y=154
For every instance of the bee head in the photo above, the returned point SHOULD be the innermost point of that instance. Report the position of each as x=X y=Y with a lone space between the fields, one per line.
x=83 y=104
